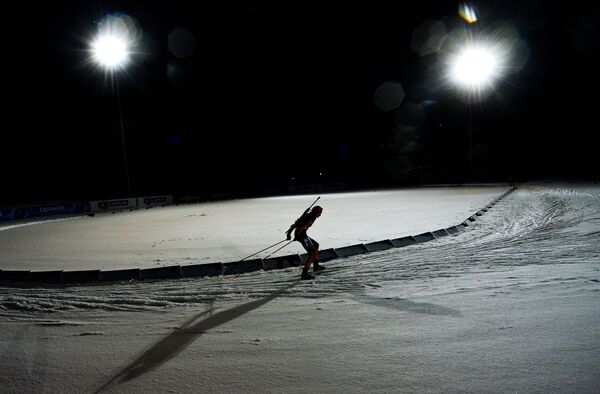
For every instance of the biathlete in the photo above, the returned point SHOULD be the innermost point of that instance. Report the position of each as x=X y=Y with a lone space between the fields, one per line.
x=300 y=227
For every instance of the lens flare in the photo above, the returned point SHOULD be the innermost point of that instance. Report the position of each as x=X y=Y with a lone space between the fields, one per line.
x=475 y=67
x=115 y=41
x=110 y=51
x=467 y=12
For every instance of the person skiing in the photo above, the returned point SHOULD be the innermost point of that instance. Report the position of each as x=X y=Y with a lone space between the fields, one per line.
x=300 y=227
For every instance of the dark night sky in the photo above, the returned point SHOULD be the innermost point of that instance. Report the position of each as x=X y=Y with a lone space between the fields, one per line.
x=275 y=90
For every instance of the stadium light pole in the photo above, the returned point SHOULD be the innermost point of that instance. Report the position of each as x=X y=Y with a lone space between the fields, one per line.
x=110 y=51
x=473 y=69
x=477 y=57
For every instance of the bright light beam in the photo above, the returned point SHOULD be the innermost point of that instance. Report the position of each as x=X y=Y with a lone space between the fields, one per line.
x=113 y=44
x=110 y=51
x=475 y=67
x=475 y=60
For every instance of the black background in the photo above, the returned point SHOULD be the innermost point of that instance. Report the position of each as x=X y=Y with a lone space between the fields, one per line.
x=281 y=93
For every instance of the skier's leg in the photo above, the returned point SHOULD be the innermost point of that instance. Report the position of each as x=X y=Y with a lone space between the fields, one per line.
x=312 y=253
x=316 y=265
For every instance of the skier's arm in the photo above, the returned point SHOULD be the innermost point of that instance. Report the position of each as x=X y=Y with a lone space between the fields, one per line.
x=288 y=233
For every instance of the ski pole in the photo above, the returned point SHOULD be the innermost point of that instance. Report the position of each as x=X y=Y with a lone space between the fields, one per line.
x=262 y=250
x=277 y=250
x=275 y=244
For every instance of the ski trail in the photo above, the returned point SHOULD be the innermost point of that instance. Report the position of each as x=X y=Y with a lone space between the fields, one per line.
x=533 y=225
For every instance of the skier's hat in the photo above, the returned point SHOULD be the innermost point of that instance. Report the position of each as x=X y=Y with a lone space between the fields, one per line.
x=317 y=209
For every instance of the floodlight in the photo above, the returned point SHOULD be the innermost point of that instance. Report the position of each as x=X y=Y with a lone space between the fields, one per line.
x=475 y=67
x=117 y=38
x=110 y=51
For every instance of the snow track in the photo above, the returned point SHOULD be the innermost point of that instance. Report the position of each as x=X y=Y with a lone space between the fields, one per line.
x=533 y=225
x=509 y=304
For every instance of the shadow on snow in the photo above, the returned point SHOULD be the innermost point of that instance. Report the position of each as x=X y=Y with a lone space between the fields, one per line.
x=174 y=343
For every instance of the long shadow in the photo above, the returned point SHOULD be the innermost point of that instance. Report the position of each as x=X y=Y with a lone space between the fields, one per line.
x=404 y=305
x=174 y=343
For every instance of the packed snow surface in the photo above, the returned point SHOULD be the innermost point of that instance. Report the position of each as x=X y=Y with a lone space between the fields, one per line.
x=231 y=230
x=508 y=305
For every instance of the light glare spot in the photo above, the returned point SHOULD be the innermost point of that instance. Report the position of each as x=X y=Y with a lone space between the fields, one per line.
x=474 y=67
x=110 y=51
x=475 y=60
x=116 y=40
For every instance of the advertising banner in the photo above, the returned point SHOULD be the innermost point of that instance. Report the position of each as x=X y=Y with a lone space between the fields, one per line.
x=154 y=201
x=114 y=205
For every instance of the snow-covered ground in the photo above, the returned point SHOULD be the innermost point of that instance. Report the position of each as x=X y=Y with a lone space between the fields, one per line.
x=231 y=230
x=509 y=305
